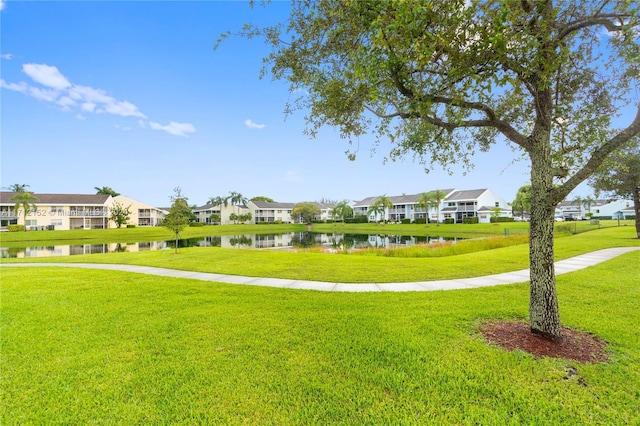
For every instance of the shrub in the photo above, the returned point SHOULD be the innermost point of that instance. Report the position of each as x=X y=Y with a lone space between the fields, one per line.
x=602 y=217
x=130 y=226
x=565 y=228
x=420 y=221
x=16 y=228
x=501 y=219
x=469 y=220
x=196 y=224
x=449 y=221
x=361 y=218
x=277 y=222
x=406 y=220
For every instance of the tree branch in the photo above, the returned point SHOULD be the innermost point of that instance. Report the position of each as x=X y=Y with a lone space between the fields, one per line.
x=598 y=156
x=605 y=20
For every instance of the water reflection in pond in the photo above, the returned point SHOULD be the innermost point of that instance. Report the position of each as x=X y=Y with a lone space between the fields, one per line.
x=291 y=240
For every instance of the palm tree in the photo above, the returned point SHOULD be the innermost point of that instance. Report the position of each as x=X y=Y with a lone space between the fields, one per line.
x=386 y=203
x=237 y=199
x=435 y=199
x=342 y=210
x=578 y=201
x=377 y=209
x=425 y=201
x=106 y=190
x=588 y=201
x=18 y=187
x=25 y=201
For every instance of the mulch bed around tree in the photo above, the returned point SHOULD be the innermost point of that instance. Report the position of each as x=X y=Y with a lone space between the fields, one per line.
x=573 y=345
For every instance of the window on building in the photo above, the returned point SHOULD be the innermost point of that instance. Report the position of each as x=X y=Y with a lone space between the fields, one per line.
x=31 y=222
x=497 y=204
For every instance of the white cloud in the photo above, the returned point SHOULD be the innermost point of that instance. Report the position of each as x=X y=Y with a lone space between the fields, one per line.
x=59 y=91
x=124 y=128
x=178 y=129
x=88 y=106
x=2 y=4
x=46 y=75
x=249 y=123
x=6 y=56
x=66 y=102
x=21 y=87
x=46 y=95
x=125 y=109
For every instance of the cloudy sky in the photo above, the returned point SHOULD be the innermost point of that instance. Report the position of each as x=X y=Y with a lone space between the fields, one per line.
x=132 y=95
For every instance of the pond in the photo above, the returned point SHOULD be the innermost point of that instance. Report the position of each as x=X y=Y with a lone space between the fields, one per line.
x=284 y=241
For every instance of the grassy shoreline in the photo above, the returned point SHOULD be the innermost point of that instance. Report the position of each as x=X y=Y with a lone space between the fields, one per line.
x=132 y=235
x=354 y=268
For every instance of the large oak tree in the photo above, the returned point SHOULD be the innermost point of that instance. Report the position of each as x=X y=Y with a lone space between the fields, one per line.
x=438 y=80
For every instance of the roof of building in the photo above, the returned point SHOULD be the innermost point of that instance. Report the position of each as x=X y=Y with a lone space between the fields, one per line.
x=470 y=194
x=66 y=199
x=397 y=199
x=268 y=205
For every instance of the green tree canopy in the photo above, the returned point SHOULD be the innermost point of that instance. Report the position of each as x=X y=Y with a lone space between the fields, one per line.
x=178 y=217
x=119 y=214
x=263 y=198
x=440 y=80
x=620 y=176
x=522 y=203
x=306 y=211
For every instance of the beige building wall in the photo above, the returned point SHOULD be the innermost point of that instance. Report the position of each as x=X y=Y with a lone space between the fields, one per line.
x=141 y=214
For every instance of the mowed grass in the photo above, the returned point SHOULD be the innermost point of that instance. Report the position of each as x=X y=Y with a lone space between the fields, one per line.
x=355 y=268
x=106 y=347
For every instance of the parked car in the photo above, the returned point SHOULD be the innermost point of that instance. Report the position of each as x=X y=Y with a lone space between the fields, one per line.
x=559 y=219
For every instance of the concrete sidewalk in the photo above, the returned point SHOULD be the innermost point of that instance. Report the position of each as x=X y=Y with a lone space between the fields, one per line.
x=561 y=267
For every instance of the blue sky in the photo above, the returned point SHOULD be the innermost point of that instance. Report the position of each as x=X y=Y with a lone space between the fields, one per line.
x=132 y=95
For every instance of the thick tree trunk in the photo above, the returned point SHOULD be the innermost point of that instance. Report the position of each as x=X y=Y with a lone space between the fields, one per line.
x=636 y=208
x=544 y=316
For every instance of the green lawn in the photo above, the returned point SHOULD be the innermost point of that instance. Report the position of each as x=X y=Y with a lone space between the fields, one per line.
x=105 y=347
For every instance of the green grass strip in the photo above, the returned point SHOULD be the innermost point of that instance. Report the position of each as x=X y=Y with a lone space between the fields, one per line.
x=353 y=268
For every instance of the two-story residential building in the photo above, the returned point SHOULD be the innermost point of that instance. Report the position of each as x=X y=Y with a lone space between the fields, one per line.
x=616 y=209
x=404 y=206
x=455 y=205
x=481 y=203
x=223 y=211
x=264 y=211
x=75 y=211
x=141 y=214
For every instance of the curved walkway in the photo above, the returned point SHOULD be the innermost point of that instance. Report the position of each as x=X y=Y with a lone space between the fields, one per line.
x=561 y=267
